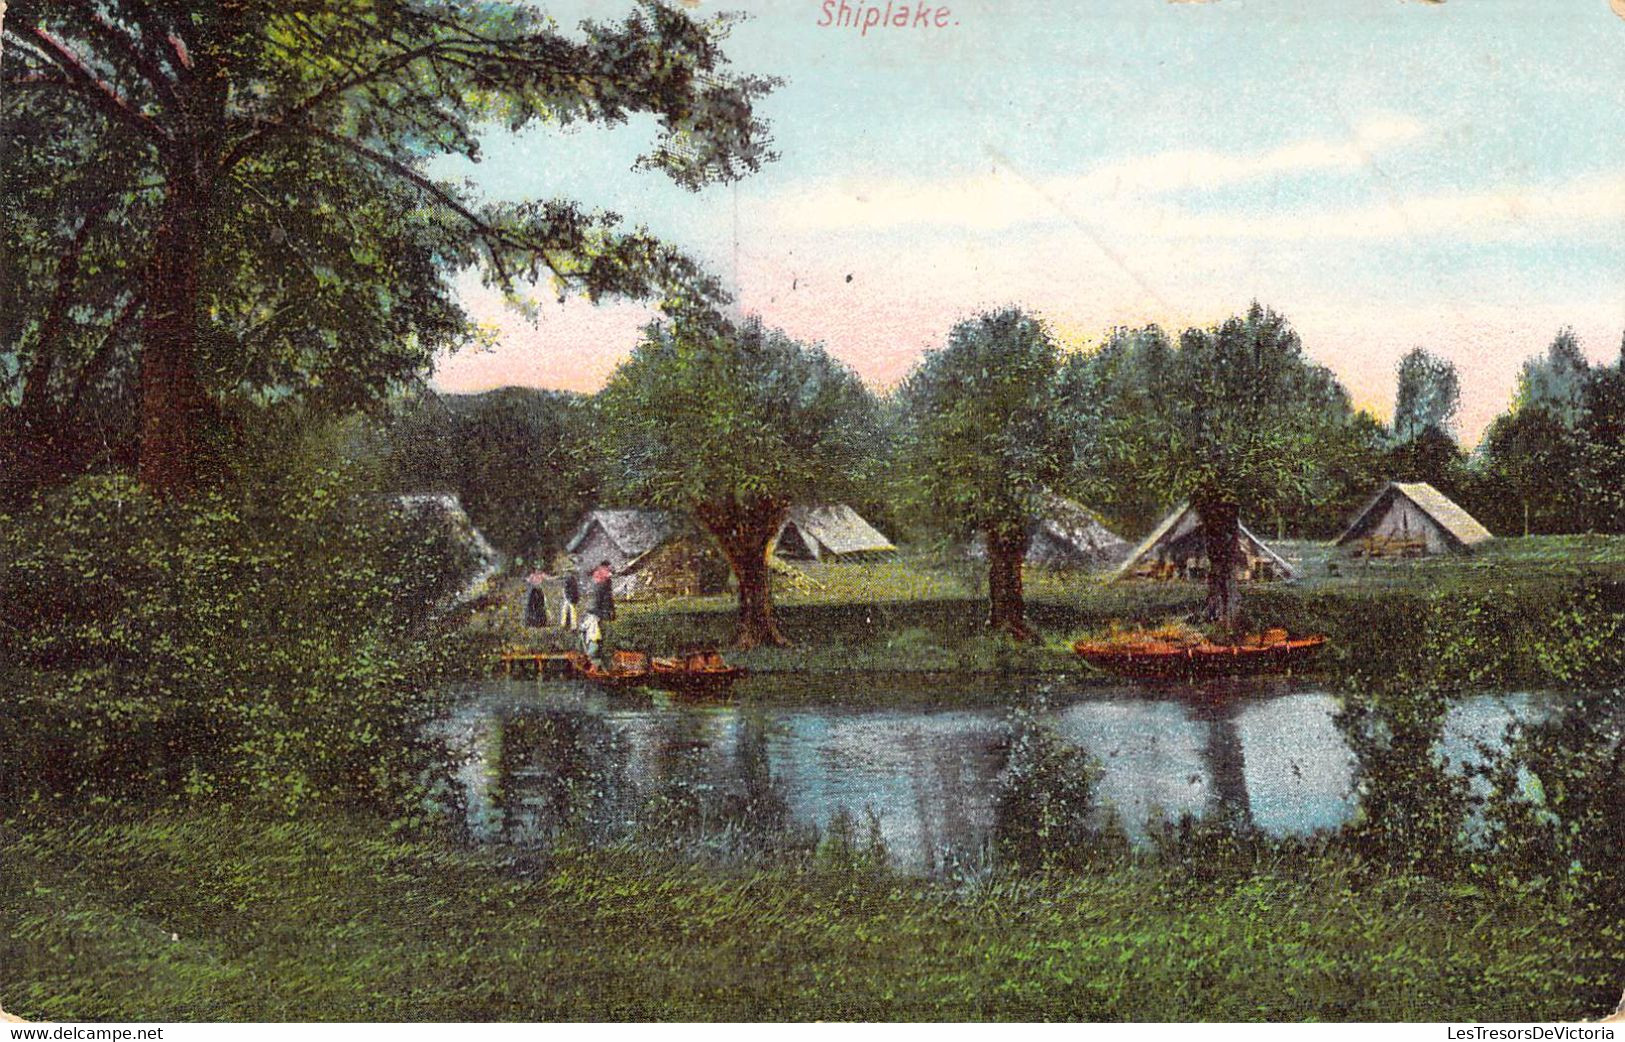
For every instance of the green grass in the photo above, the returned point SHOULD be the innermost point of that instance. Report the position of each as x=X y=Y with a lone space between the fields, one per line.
x=214 y=915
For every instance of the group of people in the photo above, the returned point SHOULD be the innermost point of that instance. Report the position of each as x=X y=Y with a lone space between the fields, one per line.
x=587 y=621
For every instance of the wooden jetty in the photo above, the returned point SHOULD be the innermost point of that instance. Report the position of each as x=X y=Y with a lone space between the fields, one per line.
x=547 y=665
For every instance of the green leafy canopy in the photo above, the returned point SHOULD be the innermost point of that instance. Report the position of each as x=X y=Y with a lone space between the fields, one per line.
x=708 y=411
x=983 y=439
x=281 y=148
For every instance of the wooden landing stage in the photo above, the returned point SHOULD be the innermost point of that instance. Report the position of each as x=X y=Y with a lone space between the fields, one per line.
x=545 y=665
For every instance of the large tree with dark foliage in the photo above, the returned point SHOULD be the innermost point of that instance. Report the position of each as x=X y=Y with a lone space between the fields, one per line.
x=523 y=461
x=985 y=442
x=1126 y=403
x=1247 y=413
x=1114 y=402
x=210 y=201
x=1552 y=462
x=733 y=423
x=1602 y=436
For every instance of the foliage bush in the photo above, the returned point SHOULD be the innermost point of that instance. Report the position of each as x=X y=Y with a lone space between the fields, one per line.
x=276 y=639
x=1550 y=814
x=1045 y=814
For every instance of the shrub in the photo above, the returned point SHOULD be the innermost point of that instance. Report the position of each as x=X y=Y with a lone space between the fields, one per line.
x=275 y=638
x=1044 y=811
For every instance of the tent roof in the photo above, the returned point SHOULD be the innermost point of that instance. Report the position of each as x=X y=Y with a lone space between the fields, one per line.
x=838 y=528
x=1456 y=522
x=1070 y=522
x=446 y=509
x=635 y=532
x=1184 y=519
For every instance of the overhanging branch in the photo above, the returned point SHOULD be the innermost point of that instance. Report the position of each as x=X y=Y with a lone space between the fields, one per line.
x=97 y=90
x=150 y=70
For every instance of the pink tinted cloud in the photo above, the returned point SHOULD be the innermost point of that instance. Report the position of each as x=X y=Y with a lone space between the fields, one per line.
x=878 y=310
x=572 y=346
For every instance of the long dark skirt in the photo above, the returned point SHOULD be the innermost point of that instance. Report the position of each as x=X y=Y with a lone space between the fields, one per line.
x=535 y=607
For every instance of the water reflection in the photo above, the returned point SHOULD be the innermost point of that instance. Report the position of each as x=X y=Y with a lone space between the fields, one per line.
x=538 y=762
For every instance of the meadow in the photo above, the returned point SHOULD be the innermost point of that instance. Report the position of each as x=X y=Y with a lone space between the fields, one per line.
x=924 y=612
x=217 y=906
x=213 y=916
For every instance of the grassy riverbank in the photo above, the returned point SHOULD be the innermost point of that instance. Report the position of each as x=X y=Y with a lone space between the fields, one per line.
x=918 y=613
x=214 y=915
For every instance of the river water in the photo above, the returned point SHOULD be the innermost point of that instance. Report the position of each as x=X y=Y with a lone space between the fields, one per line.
x=537 y=760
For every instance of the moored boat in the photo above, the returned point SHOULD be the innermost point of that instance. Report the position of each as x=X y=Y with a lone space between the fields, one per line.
x=1273 y=651
x=702 y=672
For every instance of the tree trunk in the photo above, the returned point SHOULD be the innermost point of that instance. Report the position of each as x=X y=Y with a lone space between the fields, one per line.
x=744 y=532
x=1221 y=531
x=1007 y=612
x=174 y=406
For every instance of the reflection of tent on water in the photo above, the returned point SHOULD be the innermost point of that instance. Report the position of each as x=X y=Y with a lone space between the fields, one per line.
x=654 y=553
x=1409 y=519
x=816 y=533
x=1175 y=551
x=1068 y=535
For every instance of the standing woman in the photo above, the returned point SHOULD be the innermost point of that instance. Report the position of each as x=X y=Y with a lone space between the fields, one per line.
x=569 y=613
x=603 y=592
x=535 y=599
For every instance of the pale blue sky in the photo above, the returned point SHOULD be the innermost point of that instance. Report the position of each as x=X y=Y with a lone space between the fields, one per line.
x=1385 y=173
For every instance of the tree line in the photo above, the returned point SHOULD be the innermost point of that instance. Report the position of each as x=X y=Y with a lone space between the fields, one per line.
x=222 y=213
x=733 y=422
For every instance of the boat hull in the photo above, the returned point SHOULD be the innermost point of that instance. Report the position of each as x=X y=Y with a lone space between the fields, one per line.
x=1202 y=660
x=704 y=675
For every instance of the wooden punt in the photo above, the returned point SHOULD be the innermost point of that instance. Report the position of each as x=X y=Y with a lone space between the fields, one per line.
x=1271 y=652
x=698 y=672
x=701 y=672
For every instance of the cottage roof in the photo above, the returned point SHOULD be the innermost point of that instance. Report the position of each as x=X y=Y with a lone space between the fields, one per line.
x=1184 y=519
x=1457 y=523
x=634 y=532
x=838 y=528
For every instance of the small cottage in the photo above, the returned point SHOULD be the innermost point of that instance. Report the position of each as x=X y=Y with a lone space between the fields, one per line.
x=654 y=553
x=1175 y=550
x=1411 y=519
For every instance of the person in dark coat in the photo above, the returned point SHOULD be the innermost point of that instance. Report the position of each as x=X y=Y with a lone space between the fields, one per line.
x=570 y=612
x=535 y=599
x=603 y=592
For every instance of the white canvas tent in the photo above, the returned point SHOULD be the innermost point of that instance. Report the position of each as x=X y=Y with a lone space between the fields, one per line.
x=1411 y=518
x=821 y=533
x=445 y=510
x=1068 y=535
x=1175 y=550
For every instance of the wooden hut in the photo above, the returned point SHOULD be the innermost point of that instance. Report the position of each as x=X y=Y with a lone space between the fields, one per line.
x=1175 y=550
x=654 y=553
x=823 y=533
x=1411 y=519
